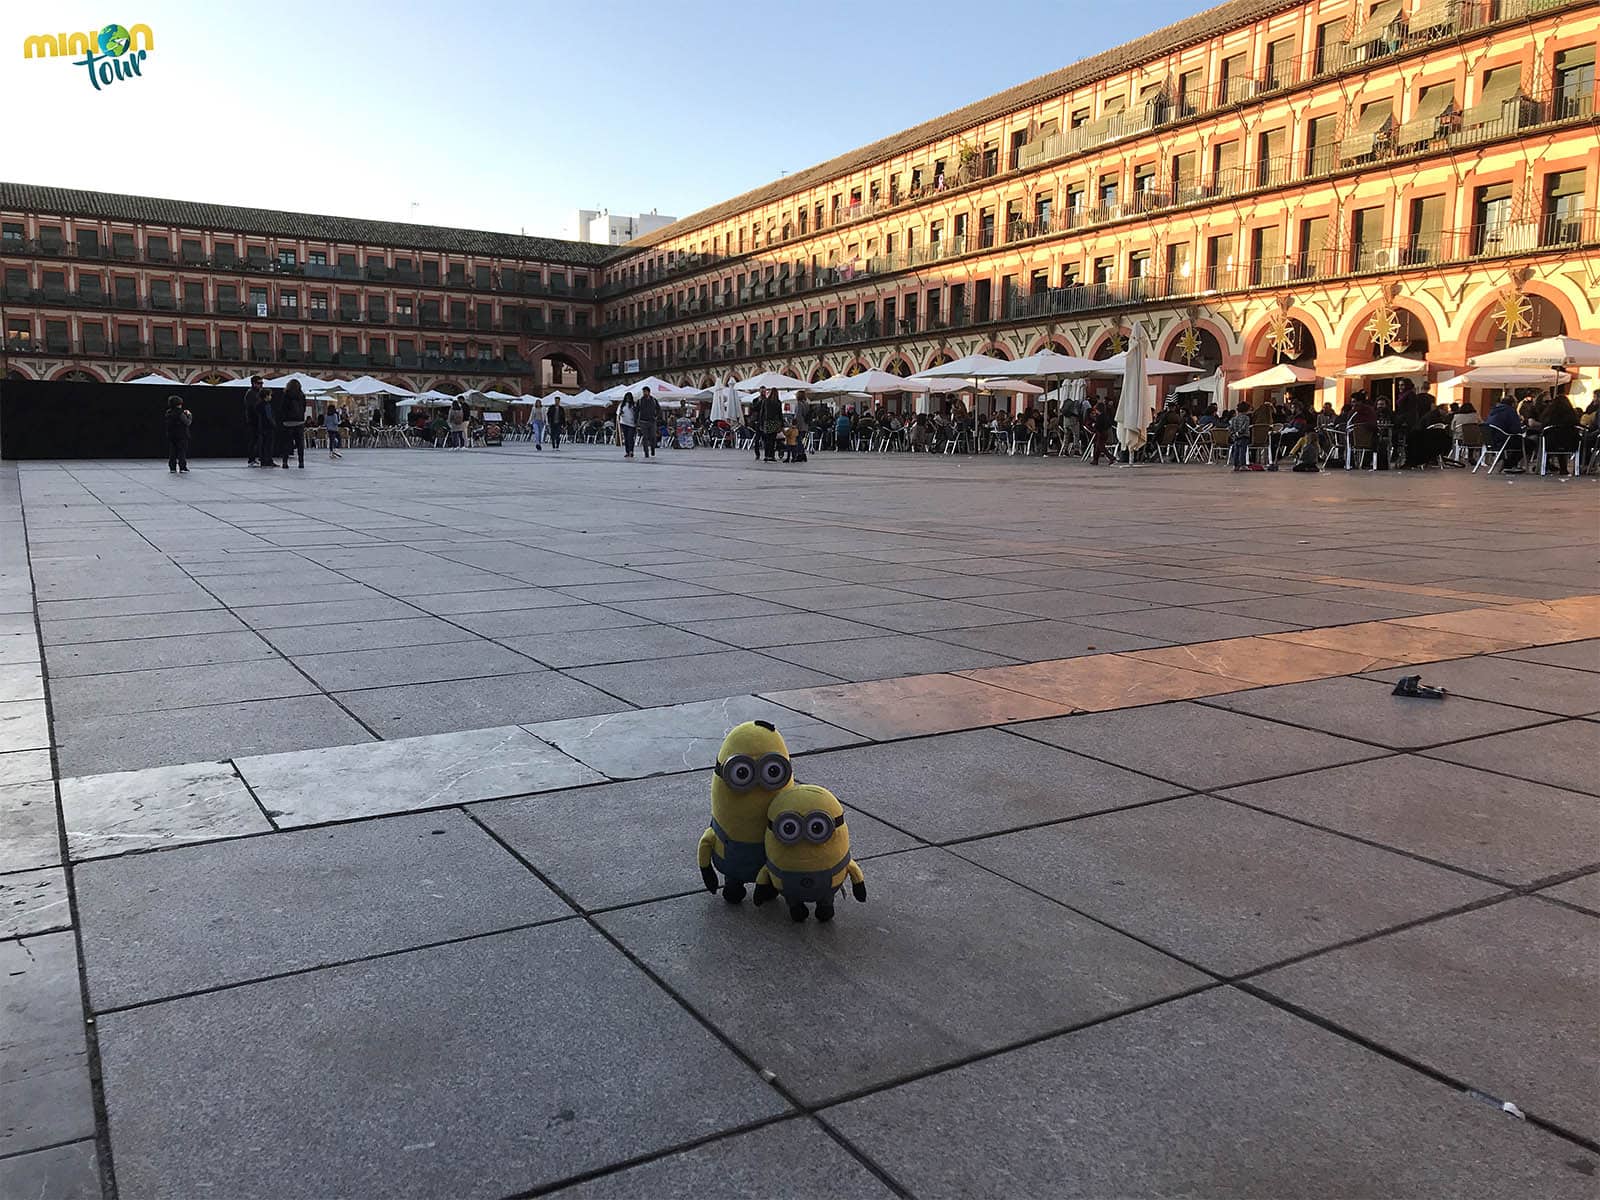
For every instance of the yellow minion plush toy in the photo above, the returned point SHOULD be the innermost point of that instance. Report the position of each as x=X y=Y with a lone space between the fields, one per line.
x=752 y=766
x=808 y=852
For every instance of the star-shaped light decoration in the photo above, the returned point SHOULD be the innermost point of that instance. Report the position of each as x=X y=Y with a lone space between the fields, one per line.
x=1189 y=345
x=1118 y=342
x=1283 y=337
x=1514 y=317
x=1384 y=327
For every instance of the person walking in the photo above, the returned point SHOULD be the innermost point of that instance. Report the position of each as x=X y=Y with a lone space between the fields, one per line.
x=179 y=419
x=756 y=422
x=292 y=423
x=770 y=423
x=627 y=423
x=330 y=425
x=254 y=401
x=649 y=422
x=558 y=423
x=538 y=424
x=457 y=440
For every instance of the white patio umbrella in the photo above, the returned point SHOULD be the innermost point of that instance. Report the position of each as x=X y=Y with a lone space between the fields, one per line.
x=366 y=385
x=1048 y=364
x=581 y=399
x=1137 y=407
x=1117 y=366
x=867 y=383
x=154 y=378
x=1546 y=352
x=309 y=384
x=1393 y=366
x=1210 y=385
x=431 y=398
x=771 y=379
x=1281 y=375
x=973 y=367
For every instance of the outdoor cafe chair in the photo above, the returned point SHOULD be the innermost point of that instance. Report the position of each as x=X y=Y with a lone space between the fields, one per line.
x=1561 y=442
x=1494 y=455
x=1468 y=444
x=1364 y=442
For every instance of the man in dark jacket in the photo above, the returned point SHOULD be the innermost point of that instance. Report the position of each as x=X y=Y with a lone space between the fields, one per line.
x=556 y=418
x=768 y=421
x=254 y=401
x=649 y=422
x=1503 y=427
x=178 y=421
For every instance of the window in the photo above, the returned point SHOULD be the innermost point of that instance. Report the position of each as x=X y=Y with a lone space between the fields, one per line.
x=376 y=267
x=127 y=339
x=55 y=336
x=228 y=297
x=122 y=245
x=228 y=343
x=1180 y=264
x=88 y=243
x=19 y=333
x=347 y=266
x=430 y=270
x=291 y=346
x=349 y=307
x=224 y=254
x=480 y=278
x=192 y=250
x=1185 y=176
x=1574 y=83
x=288 y=302
x=194 y=297
x=1189 y=89
x=319 y=306
x=91 y=289
x=55 y=285
x=1367 y=247
x=1322 y=144
x=1427 y=229
x=403 y=310
x=1108 y=191
x=1563 y=207
x=260 y=346
x=1280 y=63
x=166 y=339
x=11 y=233
x=127 y=290
x=1235 y=84
x=161 y=293
x=1308 y=262
x=1491 y=218
x=158 y=248
x=286 y=258
x=316 y=258
x=1330 y=46
x=94 y=338
x=1225 y=165
x=1105 y=268
x=50 y=239
x=1219 y=261
x=1266 y=256
x=1272 y=163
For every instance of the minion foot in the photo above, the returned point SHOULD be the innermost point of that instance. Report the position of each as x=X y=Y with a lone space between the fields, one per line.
x=733 y=891
x=824 y=912
x=797 y=912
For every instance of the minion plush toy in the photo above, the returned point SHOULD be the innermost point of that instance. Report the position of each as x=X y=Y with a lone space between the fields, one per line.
x=808 y=852
x=752 y=767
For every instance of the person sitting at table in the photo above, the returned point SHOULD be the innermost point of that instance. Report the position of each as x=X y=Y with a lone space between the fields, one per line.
x=1461 y=416
x=1503 y=427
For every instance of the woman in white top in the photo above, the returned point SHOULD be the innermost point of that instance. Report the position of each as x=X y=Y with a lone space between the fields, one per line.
x=627 y=422
x=458 y=426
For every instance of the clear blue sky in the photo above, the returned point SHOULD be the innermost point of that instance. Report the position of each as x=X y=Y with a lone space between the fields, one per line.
x=501 y=115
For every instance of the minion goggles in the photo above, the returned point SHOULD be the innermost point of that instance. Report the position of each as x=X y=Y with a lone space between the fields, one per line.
x=817 y=826
x=741 y=772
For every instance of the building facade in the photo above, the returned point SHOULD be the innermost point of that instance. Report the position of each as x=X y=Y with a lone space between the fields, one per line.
x=606 y=228
x=111 y=287
x=1318 y=182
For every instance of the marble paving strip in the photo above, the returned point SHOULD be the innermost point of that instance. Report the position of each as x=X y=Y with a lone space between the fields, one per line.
x=308 y=787
x=34 y=902
x=1400 y=643
x=160 y=806
x=1098 y=682
x=1259 y=661
x=915 y=705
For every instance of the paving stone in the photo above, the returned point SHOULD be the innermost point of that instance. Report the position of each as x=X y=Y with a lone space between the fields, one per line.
x=700 y=608
x=101 y=658
x=1438 y=994
x=964 y=785
x=160 y=806
x=1370 y=712
x=1194 y=745
x=678 y=737
x=697 y=677
x=148 y=625
x=1183 y=624
x=23 y=726
x=1263 y=661
x=884 y=657
x=477 y=1069
x=411 y=710
x=575 y=619
x=1511 y=830
x=917 y=963
x=33 y=902
x=795 y=1157
x=70 y=1172
x=132 y=741
x=1583 y=891
x=960 y=587
x=790 y=629
x=1188 y=1099
x=19 y=649
x=158 y=925
x=923 y=616
x=628 y=644
x=1035 y=641
x=500 y=599
x=1221 y=886
x=325 y=612
x=1091 y=683
x=28 y=818
x=1580 y=656
x=1551 y=689
x=347 y=669
x=169 y=688
x=308 y=787
x=1548 y=754
x=24 y=766
x=20 y=681
x=604 y=846
x=44 y=1059
x=365 y=635
x=839 y=599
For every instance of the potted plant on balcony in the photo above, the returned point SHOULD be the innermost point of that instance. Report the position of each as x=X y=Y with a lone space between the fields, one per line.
x=965 y=157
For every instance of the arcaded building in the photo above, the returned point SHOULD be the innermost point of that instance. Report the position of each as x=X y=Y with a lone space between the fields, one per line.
x=1315 y=182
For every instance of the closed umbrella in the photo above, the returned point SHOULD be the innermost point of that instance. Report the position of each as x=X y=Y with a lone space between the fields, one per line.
x=1137 y=408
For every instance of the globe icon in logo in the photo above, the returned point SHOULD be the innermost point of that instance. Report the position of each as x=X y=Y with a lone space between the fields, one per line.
x=114 y=40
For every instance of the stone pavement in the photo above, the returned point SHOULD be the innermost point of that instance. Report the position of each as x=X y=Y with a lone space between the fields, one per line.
x=347 y=822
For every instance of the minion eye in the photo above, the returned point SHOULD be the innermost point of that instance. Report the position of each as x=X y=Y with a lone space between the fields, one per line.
x=819 y=827
x=787 y=828
x=775 y=771
x=739 y=772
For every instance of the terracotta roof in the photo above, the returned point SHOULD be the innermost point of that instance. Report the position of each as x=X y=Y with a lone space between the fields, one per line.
x=192 y=214
x=1156 y=45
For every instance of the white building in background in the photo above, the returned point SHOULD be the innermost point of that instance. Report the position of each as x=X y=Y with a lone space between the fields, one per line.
x=605 y=228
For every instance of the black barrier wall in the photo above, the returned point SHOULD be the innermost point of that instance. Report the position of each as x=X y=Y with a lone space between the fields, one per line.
x=39 y=419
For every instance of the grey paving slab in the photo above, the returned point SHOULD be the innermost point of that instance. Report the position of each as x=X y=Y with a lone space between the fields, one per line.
x=1196 y=746
x=132 y=741
x=639 y=589
x=19 y=650
x=327 y=612
x=886 y=656
x=478 y=1069
x=1509 y=829
x=365 y=635
x=1179 y=592
x=795 y=1157
x=963 y=785
x=28 y=817
x=697 y=677
x=1583 y=891
x=1216 y=1096
x=627 y=644
x=500 y=599
x=606 y=846
x=1037 y=641
x=1552 y=689
x=33 y=902
x=1553 y=754
x=340 y=783
x=1306 y=612
x=575 y=618
x=958 y=587
x=700 y=608
x=321 y=587
x=678 y=737
x=1580 y=656
x=23 y=726
x=789 y=629
x=411 y=710
x=159 y=806
x=165 y=689
x=1230 y=889
x=924 y=616
x=917 y=962
x=147 y=625
x=24 y=766
x=158 y=925
x=44 y=1059
x=103 y=658
x=20 y=681
x=1441 y=994
x=347 y=669
x=1182 y=625
x=1369 y=711
x=70 y=1172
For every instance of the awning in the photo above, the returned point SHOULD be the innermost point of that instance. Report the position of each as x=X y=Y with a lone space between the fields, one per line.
x=1424 y=122
x=1363 y=139
x=1504 y=86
